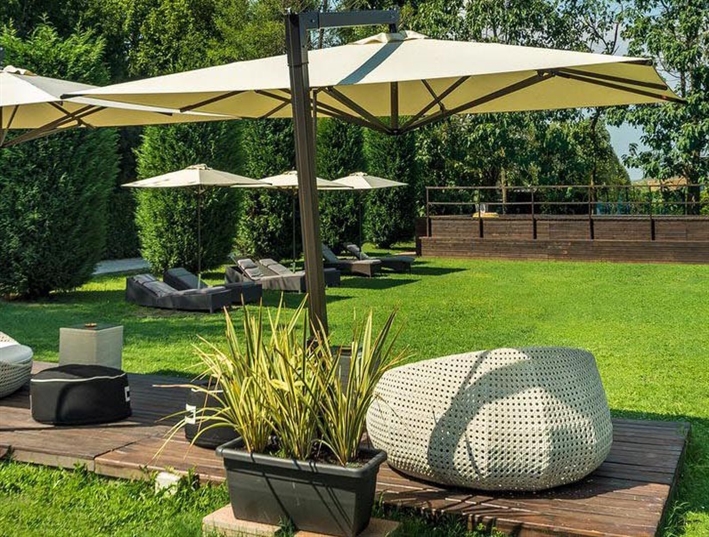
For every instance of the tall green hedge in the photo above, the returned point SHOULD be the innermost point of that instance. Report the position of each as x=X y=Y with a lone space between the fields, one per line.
x=53 y=191
x=339 y=154
x=167 y=218
x=391 y=213
x=267 y=217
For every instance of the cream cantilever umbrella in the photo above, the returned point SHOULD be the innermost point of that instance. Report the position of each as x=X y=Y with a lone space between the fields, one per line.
x=404 y=76
x=363 y=182
x=198 y=177
x=28 y=101
x=289 y=181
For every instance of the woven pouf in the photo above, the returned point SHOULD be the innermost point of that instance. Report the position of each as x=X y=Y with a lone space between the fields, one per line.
x=506 y=419
x=15 y=365
x=79 y=395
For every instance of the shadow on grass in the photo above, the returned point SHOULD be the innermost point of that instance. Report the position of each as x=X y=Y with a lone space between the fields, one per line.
x=434 y=271
x=293 y=300
x=374 y=283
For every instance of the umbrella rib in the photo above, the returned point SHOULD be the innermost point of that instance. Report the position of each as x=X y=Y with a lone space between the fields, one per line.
x=343 y=99
x=5 y=130
x=611 y=78
x=211 y=100
x=620 y=87
x=437 y=100
x=433 y=94
x=522 y=84
x=394 y=109
x=273 y=96
x=76 y=116
x=56 y=125
x=330 y=111
x=275 y=110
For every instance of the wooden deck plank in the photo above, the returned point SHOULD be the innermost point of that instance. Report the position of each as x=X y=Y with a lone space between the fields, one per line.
x=626 y=496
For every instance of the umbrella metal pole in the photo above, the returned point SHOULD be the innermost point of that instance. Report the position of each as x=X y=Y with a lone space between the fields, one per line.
x=199 y=238
x=297 y=26
x=296 y=44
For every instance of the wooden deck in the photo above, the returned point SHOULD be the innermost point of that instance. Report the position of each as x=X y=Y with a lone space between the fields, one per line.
x=627 y=496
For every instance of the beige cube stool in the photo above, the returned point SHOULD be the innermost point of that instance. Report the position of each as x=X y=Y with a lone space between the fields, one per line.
x=98 y=344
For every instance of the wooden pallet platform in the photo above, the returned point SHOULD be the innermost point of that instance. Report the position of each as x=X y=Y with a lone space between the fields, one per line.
x=627 y=496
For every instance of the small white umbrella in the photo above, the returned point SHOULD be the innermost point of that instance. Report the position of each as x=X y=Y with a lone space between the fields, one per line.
x=29 y=101
x=198 y=176
x=289 y=181
x=364 y=181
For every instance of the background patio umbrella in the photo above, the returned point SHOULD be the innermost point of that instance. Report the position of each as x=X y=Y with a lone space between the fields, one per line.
x=289 y=181
x=198 y=176
x=364 y=182
x=28 y=101
x=395 y=75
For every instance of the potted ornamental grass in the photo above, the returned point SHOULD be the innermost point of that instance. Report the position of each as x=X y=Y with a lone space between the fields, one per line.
x=298 y=457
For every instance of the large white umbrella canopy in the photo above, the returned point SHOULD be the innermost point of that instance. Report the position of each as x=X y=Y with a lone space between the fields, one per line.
x=406 y=74
x=29 y=101
x=197 y=176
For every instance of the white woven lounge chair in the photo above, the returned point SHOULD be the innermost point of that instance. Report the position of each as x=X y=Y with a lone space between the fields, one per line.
x=15 y=365
x=506 y=419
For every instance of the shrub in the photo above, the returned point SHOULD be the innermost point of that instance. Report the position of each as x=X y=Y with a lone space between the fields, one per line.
x=391 y=213
x=53 y=191
x=266 y=223
x=167 y=218
x=339 y=154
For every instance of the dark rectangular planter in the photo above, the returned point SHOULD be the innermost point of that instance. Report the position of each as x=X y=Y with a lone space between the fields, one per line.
x=317 y=497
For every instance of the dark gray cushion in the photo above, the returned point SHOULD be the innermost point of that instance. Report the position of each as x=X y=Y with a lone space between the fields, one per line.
x=160 y=288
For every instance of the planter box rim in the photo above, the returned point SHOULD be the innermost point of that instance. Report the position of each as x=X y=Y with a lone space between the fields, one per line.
x=231 y=450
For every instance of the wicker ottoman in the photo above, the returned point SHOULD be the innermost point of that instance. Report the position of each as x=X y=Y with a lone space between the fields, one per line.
x=15 y=365
x=507 y=419
x=78 y=394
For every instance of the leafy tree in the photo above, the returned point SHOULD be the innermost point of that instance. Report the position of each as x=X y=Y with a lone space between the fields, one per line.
x=53 y=191
x=676 y=135
x=339 y=154
x=267 y=217
x=391 y=213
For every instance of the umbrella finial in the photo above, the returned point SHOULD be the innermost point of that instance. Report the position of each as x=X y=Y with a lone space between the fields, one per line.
x=199 y=167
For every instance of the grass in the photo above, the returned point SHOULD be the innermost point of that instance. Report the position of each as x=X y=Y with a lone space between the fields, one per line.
x=646 y=325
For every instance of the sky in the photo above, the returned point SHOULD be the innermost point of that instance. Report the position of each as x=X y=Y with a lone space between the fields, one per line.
x=621 y=138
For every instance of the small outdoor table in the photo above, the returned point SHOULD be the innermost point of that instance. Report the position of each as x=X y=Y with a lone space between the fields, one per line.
x=91 y=343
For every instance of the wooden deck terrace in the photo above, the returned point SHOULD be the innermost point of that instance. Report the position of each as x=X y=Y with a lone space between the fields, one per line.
x=628 y=495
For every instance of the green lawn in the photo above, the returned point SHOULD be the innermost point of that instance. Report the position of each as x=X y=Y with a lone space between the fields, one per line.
x=646 y=325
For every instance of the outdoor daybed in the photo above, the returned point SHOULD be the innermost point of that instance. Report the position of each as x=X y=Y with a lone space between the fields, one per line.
x=396 y=263
x=367 y=267
x=274 y=276
x=15 y=365
x=241 y=292
x=146 y=290
x=506 y=419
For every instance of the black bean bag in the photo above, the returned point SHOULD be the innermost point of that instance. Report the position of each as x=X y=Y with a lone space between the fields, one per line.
x=77 y=394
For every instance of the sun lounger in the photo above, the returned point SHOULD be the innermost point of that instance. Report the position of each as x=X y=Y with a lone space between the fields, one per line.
x=332 y=276
x=396 y=263
x=146 y=290
x=367 y=267
x=241 y=292
x=15 y=365
x=273 y=275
